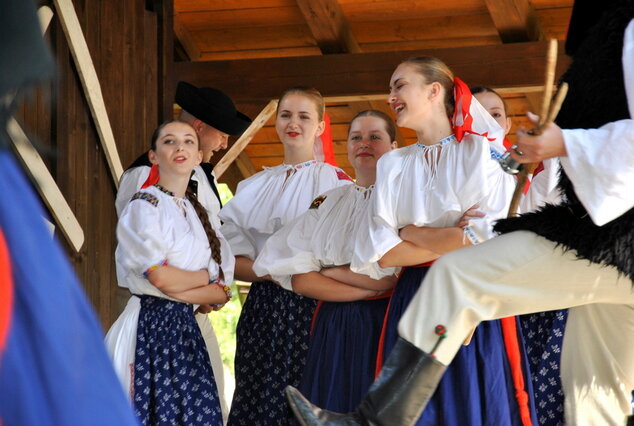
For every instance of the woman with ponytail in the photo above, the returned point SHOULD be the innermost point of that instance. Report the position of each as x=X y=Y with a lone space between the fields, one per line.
x=273 y=331
x=174 y=262
x=425 y=194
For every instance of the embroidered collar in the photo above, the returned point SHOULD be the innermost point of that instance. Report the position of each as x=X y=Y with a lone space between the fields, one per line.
x=164 y=190
x=301 y=165
x=443 y=141
x=363 y=189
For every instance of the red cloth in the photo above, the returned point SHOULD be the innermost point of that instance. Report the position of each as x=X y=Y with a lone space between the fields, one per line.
x=462 y=118
x=326 y=143
x=512 y=347
x=6 y=293
x=152 y=178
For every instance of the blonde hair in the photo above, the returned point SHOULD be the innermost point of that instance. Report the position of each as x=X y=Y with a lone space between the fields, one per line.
x=311 y=93
x=434 y=70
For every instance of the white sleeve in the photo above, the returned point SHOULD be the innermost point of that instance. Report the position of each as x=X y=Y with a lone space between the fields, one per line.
x=288 y=251
x=494 y=205
x=378 y=231
x=543 y=188
x=129 y=185
x=228 y=260
x=141 y=237
x=600 y=164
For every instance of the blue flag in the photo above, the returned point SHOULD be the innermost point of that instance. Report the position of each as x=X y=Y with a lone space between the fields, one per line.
x=54 y=368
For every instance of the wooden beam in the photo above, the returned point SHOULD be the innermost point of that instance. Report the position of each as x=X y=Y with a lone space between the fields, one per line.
x=245 y=165
x=515 y=20
x=90 y=83
x=46 y=185
x=246 y=137
x=166 y=82
x=353 y=74
x=329 y=26
x=183 y=35
x=44 y=15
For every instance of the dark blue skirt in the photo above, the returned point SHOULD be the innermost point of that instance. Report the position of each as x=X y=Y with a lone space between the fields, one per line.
x=342 y=356
x=173 y=380
x=271 y=348
x=544 y=334
x=477 y=387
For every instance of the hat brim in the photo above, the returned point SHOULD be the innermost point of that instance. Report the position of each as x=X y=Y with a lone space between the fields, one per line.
x=224 y=118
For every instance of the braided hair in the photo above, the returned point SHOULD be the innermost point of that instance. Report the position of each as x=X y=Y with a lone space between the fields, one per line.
x=201 y=212
x=214 y=242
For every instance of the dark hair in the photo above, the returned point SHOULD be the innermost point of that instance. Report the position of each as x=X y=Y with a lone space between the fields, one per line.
x=390 y=127
x=433 y=69
x=157 y=132
x=483 y=89
x=203 y=216
x=214 y=242
x=311 y=93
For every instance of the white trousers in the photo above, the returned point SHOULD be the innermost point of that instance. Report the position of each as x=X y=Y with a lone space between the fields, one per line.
x=519 y=273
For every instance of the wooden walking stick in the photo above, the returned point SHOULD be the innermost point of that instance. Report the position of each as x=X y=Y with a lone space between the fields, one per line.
x=529 y=168
x=549 y=111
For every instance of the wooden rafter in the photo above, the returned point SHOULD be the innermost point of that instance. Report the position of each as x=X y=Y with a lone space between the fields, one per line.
x=90 y=83
x=329 y=26
x=246 y=137
x=255 y=80
x=46 y=185
x=245 y=165
x=515 y=20
x=186 y=41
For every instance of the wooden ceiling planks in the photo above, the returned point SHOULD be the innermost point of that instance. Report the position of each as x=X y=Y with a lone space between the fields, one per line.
x=255 y=49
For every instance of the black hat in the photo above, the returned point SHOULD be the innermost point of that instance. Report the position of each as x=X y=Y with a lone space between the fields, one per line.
x=211 y=106
x=585 y=14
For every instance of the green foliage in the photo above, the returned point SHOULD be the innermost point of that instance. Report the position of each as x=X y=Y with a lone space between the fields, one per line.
x=224 y=322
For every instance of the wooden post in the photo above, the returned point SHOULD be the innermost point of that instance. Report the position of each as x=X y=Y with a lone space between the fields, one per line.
x=90 y=83
x=246 y=137
x=46 y=185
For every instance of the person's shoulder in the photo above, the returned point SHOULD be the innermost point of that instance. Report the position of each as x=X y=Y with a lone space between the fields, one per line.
x=332 y=195
x=395 y=156
x=337 y=172
x=147 y=196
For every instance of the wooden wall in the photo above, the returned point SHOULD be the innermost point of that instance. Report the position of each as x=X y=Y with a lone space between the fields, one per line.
x=122 y=39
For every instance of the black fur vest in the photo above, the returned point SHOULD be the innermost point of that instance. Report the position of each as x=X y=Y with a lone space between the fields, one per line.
x=596 y=97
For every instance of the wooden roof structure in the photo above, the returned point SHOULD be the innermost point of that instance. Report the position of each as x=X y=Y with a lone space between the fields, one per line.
x=348 y=49
x=118 y=64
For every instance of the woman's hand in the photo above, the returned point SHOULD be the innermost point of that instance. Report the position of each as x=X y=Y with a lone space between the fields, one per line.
x=471 y=213
x=205 y=309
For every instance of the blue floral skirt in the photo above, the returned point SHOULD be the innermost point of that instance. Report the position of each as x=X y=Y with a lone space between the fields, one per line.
x=272 y=343
x=544 y=334
x=342 y=356
x=477 y=387
x=173 y=380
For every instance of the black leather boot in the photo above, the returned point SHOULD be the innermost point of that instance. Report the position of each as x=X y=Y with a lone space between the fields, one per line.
x=397 y=397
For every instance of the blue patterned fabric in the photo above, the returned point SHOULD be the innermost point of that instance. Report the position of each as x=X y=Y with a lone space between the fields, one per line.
x=173 y=380
x=54 y=369
x=477 y=387
x=544 y=335
x=342 y=357
x=271 y=348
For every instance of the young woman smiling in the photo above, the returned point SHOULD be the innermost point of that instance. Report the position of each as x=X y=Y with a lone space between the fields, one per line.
x=272 y=334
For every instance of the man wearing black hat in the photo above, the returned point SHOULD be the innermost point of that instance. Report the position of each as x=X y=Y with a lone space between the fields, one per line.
x=577 y=255
x=214 y=117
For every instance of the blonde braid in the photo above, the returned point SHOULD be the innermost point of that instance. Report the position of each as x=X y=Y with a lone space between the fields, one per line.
x=214 y=242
